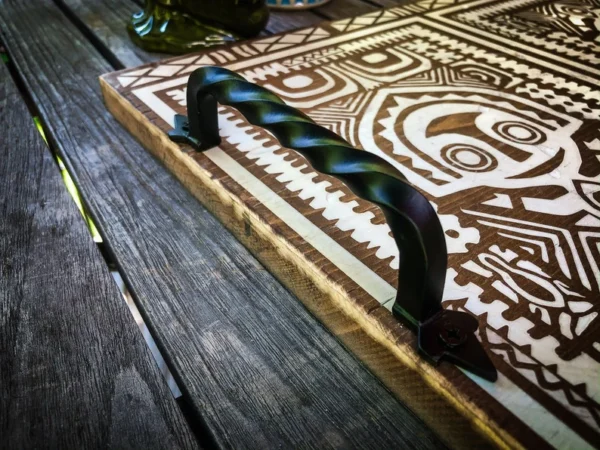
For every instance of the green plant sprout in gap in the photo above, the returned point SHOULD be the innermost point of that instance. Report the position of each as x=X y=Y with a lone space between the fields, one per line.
x=71 y=187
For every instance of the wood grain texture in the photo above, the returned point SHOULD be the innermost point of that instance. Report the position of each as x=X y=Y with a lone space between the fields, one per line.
x=106 y=21
x=337 y=9
x=280 y=21
x=254 y=364
x=74 y=369
x=346 y=8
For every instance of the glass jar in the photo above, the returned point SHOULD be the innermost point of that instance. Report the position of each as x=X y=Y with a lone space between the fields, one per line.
x=180 y=26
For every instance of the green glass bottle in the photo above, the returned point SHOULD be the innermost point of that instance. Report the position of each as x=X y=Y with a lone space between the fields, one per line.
x=180 y=26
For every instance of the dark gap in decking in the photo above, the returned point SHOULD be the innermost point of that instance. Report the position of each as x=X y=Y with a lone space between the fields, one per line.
x=90 y=36
x=193 y=417
x=200 y=430
x=18 y=81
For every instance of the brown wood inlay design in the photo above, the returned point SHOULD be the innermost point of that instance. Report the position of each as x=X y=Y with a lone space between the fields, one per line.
x=491 y=108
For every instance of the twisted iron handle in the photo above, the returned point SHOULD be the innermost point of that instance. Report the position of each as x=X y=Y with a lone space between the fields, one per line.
x=413 y=221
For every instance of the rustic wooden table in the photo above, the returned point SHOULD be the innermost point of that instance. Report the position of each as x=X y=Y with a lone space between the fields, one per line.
x=489 y=107
x=255 y=369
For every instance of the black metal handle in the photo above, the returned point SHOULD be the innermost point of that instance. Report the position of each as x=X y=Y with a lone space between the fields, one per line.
x=413 y=221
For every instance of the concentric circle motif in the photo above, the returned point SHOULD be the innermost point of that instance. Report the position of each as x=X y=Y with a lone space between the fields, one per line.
x=519 y=132
x=469 y=158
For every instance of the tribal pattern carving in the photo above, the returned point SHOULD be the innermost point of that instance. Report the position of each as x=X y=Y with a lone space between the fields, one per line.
x=569 y=28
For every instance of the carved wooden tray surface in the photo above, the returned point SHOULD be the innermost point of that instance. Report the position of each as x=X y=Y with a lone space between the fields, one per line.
x=490 y=108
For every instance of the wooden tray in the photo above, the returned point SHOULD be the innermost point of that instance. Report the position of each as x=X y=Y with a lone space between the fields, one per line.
x=492 y=110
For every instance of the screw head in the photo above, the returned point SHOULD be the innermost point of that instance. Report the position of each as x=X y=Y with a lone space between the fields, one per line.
x=451 y=335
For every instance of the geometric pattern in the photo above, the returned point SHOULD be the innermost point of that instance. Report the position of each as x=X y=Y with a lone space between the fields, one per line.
x=175 y=67
x=341 y=116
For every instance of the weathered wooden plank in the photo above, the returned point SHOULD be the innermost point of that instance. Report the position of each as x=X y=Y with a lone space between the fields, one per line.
x=74 y=369
x=106 y=21
x=253 y=363
x=346 y=8
x=337 y=9
x=280 y=21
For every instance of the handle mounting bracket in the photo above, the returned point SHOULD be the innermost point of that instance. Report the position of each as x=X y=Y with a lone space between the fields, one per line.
x=442 y=334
